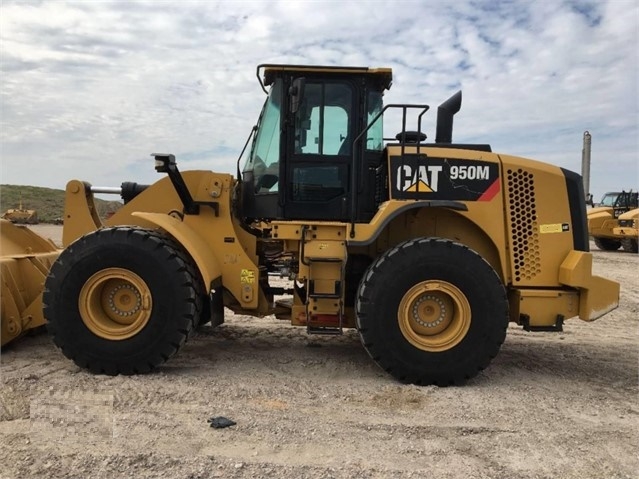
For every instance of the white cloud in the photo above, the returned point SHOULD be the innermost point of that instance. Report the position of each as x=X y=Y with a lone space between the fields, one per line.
x=90 y=89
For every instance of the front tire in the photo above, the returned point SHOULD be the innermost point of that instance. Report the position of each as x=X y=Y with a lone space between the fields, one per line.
x=122 y=300
x=432 y=311
x=607 y=244
x=630 y=245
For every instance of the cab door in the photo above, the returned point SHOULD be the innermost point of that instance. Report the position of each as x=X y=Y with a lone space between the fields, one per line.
x=320 y=137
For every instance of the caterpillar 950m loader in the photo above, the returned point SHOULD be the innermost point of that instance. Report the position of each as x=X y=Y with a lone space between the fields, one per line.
x=428 y=249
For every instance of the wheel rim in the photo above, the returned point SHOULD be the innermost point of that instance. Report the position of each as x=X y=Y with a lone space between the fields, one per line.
x=115 y=304
x=434 y=315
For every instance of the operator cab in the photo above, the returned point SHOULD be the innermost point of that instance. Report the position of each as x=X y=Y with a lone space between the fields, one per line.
x=309 y=137
x=620 y=202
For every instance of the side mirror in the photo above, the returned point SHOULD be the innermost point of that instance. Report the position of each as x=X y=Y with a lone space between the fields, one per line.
x=296 y=93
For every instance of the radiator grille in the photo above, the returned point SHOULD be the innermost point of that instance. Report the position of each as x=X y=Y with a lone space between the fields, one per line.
x=523 y=222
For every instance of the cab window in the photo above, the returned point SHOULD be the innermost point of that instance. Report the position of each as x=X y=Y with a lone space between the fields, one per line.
x=322 y=123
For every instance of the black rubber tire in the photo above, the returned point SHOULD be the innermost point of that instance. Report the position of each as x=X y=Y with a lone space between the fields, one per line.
x=356 y=266
x=630 y=245
x=607 y=244
x=388 y=279
x=170 y=276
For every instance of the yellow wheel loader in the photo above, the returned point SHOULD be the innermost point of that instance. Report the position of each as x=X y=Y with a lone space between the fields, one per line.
x=604 y=218
x=627 y=230
x=21 y=216
x=429 y=249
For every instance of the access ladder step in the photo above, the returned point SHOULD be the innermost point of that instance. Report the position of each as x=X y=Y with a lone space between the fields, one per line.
x=335 y=294
x=324 y=295
x=324 y=330
x=320 y=259
x=328 y=324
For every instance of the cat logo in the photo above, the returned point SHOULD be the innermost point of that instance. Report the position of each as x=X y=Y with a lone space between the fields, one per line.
x=424 y=179
x=421 y=177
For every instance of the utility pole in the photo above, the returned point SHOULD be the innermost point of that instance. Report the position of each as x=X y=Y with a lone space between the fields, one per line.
x=585 y=165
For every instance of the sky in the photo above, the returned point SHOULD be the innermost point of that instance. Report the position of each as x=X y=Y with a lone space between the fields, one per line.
x=89 y=89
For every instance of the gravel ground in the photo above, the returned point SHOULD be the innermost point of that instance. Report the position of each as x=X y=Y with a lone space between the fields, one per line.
x=550 y=405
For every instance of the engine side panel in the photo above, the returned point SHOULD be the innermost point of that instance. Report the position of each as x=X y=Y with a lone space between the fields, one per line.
x=538 y=221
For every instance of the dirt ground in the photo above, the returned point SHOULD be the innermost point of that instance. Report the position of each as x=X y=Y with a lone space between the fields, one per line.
x=550 y=405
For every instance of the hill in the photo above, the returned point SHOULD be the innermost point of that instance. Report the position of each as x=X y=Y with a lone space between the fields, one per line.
x=48 y=202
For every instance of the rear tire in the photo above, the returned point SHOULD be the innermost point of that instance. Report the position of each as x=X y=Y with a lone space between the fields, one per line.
x=607 y=244
x=432 y=311
x=630 y=245
x=122 y=300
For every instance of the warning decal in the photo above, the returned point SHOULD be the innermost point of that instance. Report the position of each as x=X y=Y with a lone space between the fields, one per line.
x=247 y=276
x=554 y=228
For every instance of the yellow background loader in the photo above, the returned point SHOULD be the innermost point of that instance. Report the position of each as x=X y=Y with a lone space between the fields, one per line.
x=603 y=221
x=627 y=230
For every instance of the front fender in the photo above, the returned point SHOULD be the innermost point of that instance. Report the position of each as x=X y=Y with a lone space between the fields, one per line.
x=200 y=251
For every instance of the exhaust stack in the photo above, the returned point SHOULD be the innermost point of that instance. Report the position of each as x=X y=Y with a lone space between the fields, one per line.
x=445 y=113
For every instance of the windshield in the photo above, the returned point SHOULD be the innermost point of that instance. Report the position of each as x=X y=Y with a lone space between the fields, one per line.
x=265 y=153
x=609 y=199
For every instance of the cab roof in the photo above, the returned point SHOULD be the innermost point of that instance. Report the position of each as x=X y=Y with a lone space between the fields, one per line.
x=271 y=71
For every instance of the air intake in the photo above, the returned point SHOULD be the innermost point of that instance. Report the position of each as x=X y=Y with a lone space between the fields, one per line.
x=523 y=225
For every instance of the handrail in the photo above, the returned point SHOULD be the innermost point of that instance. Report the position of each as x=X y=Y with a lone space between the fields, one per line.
x=357 y=157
